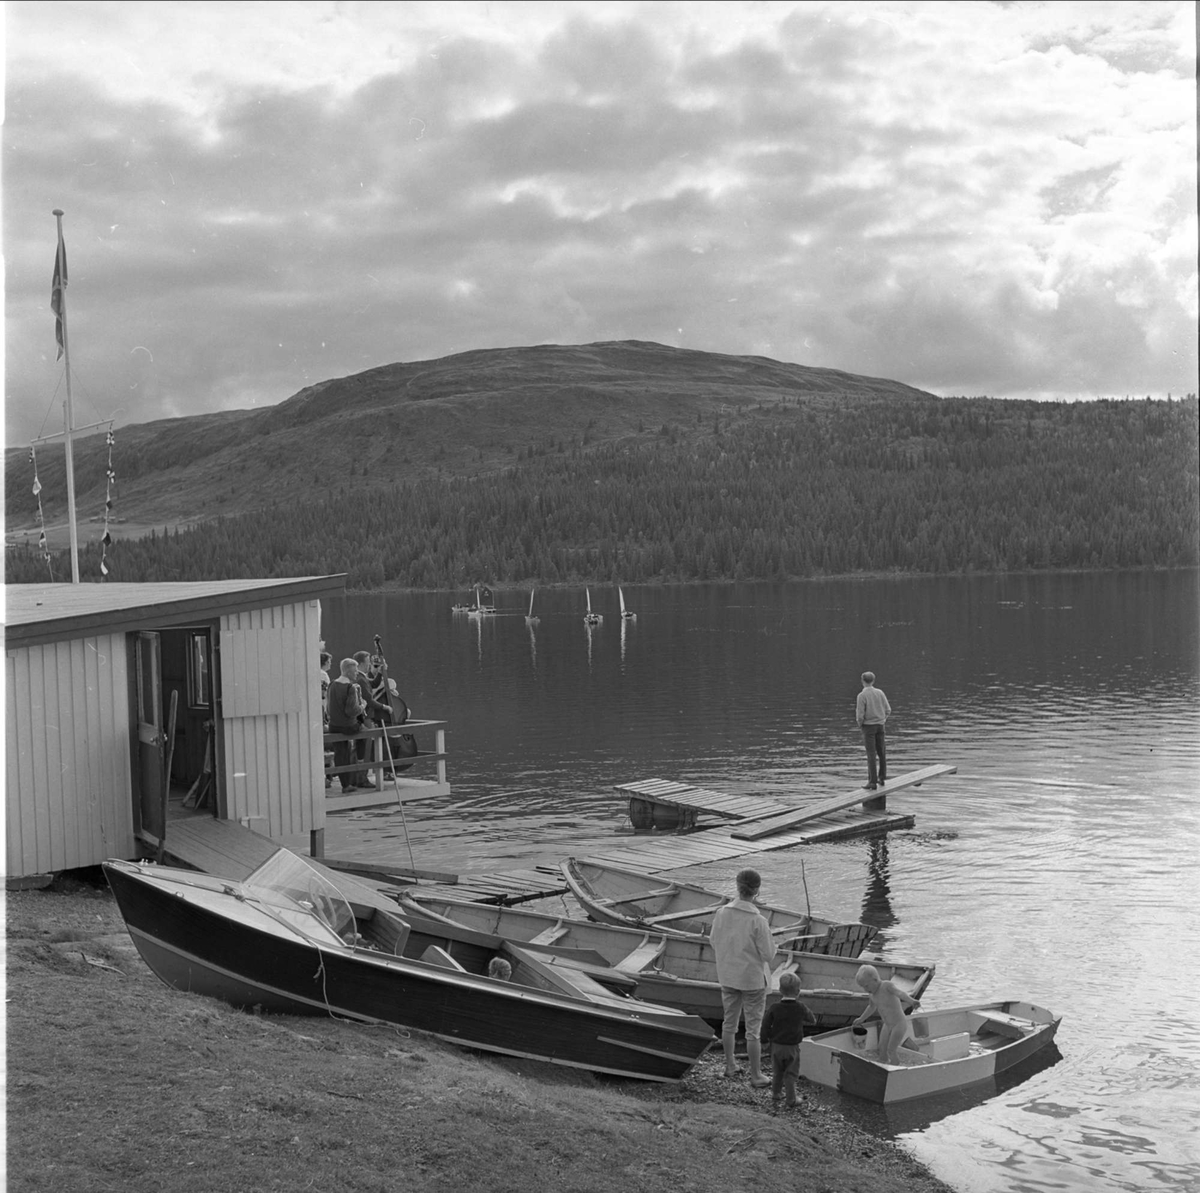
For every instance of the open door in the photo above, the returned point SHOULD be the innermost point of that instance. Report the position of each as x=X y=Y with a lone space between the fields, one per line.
x=150 y=734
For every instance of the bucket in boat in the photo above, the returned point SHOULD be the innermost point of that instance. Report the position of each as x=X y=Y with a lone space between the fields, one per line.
x=858 y=1037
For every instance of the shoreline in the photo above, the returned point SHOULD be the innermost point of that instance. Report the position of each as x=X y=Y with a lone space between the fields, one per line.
x=114 y=1080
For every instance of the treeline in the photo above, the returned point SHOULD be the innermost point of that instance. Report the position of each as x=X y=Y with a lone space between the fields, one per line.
x=938 y=485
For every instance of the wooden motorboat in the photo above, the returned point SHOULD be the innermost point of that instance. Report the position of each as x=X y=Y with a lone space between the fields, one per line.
x=946 y=1050
x=286 y=940
x=674 y=971
x=631 y=898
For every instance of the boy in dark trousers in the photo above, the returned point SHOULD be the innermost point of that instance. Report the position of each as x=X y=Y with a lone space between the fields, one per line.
x=782 y=1029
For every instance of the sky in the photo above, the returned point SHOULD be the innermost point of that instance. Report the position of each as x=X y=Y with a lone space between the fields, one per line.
x=967 y=197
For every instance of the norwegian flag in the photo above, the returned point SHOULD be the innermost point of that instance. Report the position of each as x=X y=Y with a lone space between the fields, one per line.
x=57 y=286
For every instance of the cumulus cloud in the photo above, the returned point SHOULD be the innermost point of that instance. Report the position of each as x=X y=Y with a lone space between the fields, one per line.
x=969 y=198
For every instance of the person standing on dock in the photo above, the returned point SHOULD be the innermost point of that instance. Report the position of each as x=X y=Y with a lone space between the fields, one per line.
x=346 y=711
x=872 y=711
x=743 y=945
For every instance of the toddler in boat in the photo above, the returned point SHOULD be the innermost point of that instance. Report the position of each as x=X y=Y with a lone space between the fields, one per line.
x=889 y=1002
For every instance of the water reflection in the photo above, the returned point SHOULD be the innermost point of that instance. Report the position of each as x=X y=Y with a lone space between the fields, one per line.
x=877 y=904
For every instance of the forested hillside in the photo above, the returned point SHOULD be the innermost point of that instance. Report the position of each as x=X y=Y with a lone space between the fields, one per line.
x=789 y=489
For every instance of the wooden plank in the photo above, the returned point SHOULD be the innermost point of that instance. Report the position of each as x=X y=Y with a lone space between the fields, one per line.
x=381 y=870
x=775 y=824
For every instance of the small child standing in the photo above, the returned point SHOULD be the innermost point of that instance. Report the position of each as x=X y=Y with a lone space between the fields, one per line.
x=891 y=1004
x=782 y=1029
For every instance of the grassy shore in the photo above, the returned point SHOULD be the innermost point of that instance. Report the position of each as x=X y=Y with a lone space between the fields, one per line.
x=117 y=1083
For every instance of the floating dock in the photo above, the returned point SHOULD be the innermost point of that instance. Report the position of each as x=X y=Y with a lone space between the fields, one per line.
x=748 y=825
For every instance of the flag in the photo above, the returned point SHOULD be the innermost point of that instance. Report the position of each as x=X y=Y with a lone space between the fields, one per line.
x=57 y=285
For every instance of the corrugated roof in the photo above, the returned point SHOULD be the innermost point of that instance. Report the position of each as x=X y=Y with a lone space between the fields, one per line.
x=48 y=612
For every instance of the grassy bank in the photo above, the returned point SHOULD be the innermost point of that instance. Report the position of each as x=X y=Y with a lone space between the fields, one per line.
x=117 y=1083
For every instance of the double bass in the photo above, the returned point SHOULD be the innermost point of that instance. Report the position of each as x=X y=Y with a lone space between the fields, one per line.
x=398 y=745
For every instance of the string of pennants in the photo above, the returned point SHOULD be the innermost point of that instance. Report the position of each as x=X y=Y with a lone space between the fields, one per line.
x=110 y=481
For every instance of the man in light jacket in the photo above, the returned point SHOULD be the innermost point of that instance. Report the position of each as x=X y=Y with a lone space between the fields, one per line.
x=743 y=946
x=872 y=711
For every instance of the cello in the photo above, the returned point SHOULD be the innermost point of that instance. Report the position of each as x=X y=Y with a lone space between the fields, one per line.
x=398 y=745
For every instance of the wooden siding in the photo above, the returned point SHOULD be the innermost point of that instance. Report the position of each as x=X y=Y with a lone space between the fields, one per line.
x=271 y=718
x=67 y=736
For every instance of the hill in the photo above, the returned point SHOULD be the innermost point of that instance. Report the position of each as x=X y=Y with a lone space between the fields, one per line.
x=458 y=416
x=635 y=462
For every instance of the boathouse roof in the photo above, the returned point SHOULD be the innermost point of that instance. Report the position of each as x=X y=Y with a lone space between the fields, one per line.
x=38 y=613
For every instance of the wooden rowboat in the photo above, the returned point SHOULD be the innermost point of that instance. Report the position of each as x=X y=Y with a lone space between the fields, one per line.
x=673 y=971
x=947 y=1050
x=633 y=899
x=286 y=940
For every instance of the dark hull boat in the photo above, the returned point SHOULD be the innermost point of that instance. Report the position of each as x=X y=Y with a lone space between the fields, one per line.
x=632 y=899
x=283 y=942
x=673 y=971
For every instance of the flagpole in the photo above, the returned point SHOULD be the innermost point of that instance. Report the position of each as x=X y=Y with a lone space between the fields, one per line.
x=67 y=413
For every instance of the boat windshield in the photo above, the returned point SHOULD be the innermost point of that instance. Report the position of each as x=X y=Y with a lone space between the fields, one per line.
x=293 y=892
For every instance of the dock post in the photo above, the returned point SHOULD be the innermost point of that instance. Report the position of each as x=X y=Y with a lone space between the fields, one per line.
x=877 y=803
x=316 y=840
x=440 y=746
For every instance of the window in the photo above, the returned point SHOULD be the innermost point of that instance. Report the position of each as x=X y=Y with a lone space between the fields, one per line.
x=199 y=688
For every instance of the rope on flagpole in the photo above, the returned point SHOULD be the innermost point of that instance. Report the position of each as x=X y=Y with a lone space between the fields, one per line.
x=37 y=492
x=110 y=481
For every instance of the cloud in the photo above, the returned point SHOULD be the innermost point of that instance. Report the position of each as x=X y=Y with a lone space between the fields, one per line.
x=970 y=198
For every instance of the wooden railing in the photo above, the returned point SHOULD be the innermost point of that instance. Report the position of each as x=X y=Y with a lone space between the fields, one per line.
x=378 y=763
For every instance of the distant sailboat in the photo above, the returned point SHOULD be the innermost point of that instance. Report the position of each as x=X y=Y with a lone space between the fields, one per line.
x=483 y=603
x=626 y=614
x=590 y=618
x=529 y=617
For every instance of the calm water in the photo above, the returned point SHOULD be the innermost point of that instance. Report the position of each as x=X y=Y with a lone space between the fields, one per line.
x=1058 y=865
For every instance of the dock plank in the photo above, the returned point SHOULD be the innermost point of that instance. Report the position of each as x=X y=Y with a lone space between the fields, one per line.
x=768 y=826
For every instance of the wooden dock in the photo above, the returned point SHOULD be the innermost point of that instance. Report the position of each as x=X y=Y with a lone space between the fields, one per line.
x=748 y=825
x=759 y=826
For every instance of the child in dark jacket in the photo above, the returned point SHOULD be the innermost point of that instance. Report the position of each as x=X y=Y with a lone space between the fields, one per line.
x=782 y=1029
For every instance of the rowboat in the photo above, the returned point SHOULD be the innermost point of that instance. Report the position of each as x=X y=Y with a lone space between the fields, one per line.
x=947 y=1050
x=286 y=940
x=671 y=970
x=631 y=898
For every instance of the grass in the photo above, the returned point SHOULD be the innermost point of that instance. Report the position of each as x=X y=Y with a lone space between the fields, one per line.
x=117 y=1083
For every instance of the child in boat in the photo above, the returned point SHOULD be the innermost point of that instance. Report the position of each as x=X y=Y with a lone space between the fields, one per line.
x=499 y=969
x=888 y=1001
x=782 y=1029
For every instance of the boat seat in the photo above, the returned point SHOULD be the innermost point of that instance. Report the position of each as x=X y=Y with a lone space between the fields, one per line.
x=661 y=892
x=436 y=955
x=1000 y=1024
x=645 y=954
x=551 y=934
x=952 y=1047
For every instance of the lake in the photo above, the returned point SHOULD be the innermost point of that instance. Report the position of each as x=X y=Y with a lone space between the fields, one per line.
x=1058 y=865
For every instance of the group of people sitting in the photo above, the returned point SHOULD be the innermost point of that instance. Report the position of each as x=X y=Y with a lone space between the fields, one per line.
x=359 y=698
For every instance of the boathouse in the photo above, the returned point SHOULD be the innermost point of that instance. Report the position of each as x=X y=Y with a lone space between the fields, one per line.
x=93 y=671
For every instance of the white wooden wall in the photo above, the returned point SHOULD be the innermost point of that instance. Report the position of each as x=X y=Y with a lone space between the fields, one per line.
x=271 y=716
x=67 y=755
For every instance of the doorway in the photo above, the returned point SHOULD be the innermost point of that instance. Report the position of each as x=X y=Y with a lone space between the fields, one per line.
x=176 y=773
